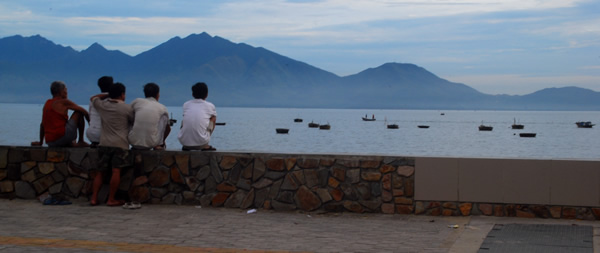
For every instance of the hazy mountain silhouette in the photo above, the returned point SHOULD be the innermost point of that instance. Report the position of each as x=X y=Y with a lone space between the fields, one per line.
x=242 y=75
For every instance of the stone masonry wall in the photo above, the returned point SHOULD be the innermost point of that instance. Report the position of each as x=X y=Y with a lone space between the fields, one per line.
x=282 y=182
x=234 y=180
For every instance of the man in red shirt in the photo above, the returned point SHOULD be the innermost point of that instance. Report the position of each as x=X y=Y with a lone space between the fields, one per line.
x=58 y=129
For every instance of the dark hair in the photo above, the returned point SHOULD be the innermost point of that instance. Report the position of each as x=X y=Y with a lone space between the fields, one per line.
x=104 y=83
x=116 y=90
x=200 y=90
x=56 y=87
x=151 y=90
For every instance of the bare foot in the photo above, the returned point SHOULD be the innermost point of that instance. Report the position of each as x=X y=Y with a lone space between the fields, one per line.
x=94 y=202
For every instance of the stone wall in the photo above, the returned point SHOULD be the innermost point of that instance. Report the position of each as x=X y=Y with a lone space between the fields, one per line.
x=282 y=182
x=324 y=183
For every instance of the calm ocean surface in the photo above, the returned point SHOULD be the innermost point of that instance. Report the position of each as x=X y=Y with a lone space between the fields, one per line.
x=454 y=134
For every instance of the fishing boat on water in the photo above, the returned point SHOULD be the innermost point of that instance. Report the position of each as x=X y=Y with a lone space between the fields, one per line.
x=313 y=125
x=517 y=126
x=528 y=135
x=483 y=127
x=325 y=127
x=392 y=126
x=365 y=118
x=584 y=124
x=282 y=130
x=297 y=120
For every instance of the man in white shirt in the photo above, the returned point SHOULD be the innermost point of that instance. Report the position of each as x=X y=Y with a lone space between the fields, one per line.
x=93 y=131
x=198 y=123
x=150 y=126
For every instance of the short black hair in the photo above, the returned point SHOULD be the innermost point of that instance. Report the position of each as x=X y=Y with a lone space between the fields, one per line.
x=151 y=90
x=200 y=90
x=116 y=90
x=104 y=83
x=56 y=87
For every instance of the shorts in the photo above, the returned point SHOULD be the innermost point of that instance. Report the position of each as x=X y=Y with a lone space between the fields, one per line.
x=112 y=157
x=68 y=138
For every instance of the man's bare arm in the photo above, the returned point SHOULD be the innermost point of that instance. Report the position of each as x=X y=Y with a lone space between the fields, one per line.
x=41 y=142
x=72 y=106
x=100 y=96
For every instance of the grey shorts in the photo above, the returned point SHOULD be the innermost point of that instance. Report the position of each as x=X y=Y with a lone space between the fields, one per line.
x=68 y=138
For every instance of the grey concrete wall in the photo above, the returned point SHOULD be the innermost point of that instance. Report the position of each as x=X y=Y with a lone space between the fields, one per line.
x=517 y=181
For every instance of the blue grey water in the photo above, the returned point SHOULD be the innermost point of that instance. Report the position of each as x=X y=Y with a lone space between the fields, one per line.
x=454 y=134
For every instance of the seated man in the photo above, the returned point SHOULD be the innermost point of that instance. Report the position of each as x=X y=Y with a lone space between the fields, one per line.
x=198 y=123
x=93 y=131
x=57 y=128
x=150 y=125
x=113 y=149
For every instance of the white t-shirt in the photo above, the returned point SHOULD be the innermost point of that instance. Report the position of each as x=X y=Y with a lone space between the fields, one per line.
x=93 y=131
x=150 y=119
x=195 y=122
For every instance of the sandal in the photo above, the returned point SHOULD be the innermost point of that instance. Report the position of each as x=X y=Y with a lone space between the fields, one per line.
x=56 y=201
x=132 y=205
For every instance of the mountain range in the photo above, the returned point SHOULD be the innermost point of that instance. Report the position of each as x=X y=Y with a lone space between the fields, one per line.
x=245 y=76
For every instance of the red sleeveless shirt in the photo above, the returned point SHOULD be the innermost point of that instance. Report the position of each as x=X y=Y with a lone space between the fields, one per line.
x=54 y=123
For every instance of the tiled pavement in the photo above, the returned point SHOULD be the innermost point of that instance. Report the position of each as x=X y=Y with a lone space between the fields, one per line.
x=28 y=226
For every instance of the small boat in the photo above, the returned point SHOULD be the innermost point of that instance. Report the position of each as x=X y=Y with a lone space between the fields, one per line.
x=325 y=127
x=313 y=125
x=423 y=126
x=529 y=135
x=368 y=119
x=282 y=130
x=442 y=114
x=485 y=128
x=297 y=120
x=584 y=124
x=220 y=123
x=392 y=126
x=172 y=120
x=517 y=126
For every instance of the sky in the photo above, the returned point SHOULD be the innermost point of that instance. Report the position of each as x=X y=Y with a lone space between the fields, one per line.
x=513 y=47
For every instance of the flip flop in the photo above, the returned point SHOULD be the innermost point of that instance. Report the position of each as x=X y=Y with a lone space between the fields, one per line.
x=64 y=202
x=132 y=205
x=56 y=201
x=50 y=201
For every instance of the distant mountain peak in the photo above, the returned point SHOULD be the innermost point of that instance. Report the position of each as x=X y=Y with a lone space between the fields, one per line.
x=202 y=35
x=95 y=47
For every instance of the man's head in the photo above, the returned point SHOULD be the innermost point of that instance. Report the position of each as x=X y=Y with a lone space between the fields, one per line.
x=104 y=83
x=117 y=91
x=200 y=90
x=151 y=90
x=58 y=89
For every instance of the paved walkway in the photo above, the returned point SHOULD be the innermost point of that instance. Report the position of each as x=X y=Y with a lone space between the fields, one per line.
x=28 y=226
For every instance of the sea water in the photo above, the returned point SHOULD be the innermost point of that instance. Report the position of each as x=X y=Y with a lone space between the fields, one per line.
x=451 y=133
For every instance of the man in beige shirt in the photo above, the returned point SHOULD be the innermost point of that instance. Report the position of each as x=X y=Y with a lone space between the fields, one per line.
x=150 y=126
x=116 y=117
